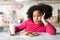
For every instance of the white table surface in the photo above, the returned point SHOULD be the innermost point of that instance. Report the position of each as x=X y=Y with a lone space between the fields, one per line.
x=42 y=36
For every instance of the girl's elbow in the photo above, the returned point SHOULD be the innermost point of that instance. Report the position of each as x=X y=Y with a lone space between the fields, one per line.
x=53 y=33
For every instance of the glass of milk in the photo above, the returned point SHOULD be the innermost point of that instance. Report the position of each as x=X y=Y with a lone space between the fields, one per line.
x=12 y=29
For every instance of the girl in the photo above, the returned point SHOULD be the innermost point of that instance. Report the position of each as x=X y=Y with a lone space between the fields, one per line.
x=37 y=22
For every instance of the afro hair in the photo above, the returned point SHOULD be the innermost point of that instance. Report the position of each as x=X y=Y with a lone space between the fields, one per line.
x=43 y=8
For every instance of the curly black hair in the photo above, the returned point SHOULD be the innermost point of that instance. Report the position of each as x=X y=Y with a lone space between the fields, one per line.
x=43 y=8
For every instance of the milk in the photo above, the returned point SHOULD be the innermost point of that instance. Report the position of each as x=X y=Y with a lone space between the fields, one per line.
x=12 y=29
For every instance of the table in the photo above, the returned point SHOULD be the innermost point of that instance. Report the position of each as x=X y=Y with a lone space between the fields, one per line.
x=42 y=36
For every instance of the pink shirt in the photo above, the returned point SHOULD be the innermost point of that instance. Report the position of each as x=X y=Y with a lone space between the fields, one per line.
x=30 y=26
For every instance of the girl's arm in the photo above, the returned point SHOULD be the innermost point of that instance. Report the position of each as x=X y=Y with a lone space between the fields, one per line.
x=49 y=28
x=20 y=27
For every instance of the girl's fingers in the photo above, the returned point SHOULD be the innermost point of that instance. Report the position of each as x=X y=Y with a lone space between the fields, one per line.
x=9 y=31
x=44 y=14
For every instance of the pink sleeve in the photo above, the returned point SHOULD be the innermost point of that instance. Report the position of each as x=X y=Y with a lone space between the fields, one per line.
x=50 y=29
x=20 y=27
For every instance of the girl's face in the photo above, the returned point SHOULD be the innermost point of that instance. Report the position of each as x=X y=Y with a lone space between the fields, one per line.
x=37 y=16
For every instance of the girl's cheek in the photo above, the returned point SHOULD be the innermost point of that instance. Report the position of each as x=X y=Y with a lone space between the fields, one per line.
x=39 y=18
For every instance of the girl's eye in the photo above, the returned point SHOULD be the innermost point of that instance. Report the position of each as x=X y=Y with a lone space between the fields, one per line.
x=39 y=15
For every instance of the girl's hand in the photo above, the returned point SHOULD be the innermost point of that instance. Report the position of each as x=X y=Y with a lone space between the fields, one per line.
x=9 y=32
x=44 y=21
x=43 y=17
